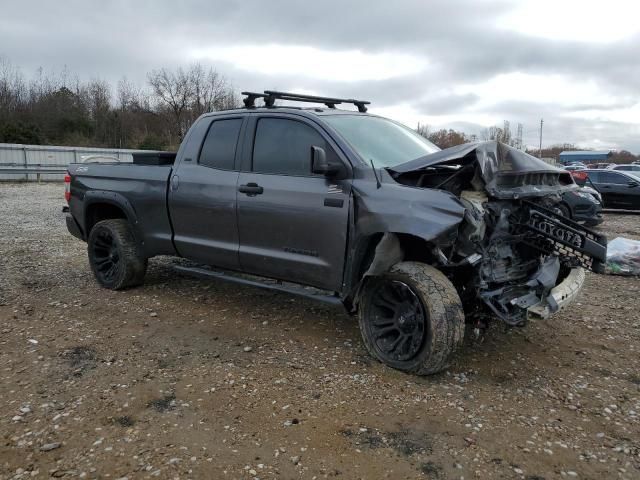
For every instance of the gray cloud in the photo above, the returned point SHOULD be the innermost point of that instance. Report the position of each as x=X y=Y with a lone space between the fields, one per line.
x=461 y=40
x=448 y=103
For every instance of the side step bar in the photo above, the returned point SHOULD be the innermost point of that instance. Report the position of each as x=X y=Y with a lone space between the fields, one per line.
x=310 y=293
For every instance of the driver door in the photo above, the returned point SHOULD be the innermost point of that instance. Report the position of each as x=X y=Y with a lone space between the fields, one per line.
x=292 y=224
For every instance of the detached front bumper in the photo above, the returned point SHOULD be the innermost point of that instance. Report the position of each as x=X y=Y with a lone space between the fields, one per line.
x=560 y=296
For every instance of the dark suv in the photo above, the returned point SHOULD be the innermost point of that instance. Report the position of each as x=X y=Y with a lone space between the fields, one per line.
x=369 y=213
x=619 y=189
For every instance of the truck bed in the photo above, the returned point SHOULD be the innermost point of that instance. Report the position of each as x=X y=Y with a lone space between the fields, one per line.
x=142 y=189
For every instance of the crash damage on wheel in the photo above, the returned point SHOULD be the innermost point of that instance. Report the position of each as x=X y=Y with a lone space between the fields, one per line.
x=512 y=255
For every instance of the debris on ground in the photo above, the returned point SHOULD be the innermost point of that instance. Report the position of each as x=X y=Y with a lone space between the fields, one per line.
x=623 y=256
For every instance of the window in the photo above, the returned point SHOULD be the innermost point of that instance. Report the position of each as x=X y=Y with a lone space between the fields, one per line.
x=382 y=141
x=219 y=147
x=594 y=177
x=284 y=146
x=611 y=177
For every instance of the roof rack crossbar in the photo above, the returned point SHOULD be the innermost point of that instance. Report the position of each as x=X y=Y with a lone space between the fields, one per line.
x=270 y=97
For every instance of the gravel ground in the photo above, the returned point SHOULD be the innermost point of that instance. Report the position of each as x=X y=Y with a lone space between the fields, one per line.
x=185 y=378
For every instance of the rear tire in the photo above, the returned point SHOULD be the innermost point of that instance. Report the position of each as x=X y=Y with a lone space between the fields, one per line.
x=114 y=255
x=411 y=318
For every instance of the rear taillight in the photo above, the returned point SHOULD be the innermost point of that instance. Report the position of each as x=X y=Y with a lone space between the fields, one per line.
x=579 y=176
x=67 y=187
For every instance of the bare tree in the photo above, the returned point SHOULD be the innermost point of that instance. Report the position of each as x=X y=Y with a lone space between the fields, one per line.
x=174 y=91
x=211 y=91
x=443 y=138
x=58 y=108
x=97 y=98
x=12 y=87
x=503 y=135
x=187 y=94
x=423 y=129
x=127 y=95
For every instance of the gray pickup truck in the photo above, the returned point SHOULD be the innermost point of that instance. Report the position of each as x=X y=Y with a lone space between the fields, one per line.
x=351 y=208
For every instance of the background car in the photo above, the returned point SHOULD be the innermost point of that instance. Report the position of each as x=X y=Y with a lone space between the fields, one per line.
x=571 y=168
x=579 y=175
x=626 y=168
x=583 y=205
x=602 y=165
x=592 y=191
x=619 y=189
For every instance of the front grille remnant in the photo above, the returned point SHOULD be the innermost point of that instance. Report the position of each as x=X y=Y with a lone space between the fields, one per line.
x=551 y=233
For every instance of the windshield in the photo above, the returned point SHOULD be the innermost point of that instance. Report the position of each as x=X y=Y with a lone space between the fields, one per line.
x=385 y=142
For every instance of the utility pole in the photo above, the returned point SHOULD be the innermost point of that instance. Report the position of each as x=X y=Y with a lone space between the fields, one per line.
x=540 y=151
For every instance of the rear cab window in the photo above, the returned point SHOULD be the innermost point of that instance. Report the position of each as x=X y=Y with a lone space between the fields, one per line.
x=219 y=146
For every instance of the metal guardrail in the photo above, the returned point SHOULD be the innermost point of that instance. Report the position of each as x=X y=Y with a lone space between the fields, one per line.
x=20 y=162
x=33 y=169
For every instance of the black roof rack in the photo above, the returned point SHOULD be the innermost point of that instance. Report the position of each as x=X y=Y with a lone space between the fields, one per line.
x=271 y=96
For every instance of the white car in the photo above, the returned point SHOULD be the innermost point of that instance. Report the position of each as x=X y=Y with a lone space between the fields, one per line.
x=627 y=168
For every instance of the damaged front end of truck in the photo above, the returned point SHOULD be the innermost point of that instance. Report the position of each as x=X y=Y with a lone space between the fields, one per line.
x=513 y=255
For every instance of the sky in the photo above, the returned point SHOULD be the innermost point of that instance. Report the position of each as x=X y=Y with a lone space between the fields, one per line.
x=463 y=64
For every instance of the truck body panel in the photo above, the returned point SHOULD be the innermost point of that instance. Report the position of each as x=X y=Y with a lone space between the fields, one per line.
x=139 y=191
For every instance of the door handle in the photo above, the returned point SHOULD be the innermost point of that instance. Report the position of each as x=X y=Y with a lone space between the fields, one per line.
x=175 y=183
x=251 y=189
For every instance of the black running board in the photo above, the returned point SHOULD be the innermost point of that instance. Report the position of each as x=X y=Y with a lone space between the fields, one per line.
x=293 y=289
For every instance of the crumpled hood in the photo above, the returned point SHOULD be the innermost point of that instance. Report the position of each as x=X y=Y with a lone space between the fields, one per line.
x=506 y=171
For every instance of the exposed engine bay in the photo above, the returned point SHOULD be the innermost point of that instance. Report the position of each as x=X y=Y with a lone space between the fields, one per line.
x=514 y=254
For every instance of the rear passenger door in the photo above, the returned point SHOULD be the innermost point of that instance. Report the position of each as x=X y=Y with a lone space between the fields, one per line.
x=616 y=189
x=202 y=195
x=292 y=223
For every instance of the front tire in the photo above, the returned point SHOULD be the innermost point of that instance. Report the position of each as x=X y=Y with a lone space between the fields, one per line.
x=411 y=318
x=114 y=255
x=563 y=210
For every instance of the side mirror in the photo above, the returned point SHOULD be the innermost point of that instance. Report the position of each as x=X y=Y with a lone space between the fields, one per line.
x=320 y=165
x=632 y=183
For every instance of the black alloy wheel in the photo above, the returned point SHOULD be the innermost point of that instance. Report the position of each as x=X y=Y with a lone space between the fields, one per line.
x=399 y=323
x=114 y=255
x=106 y=257
x=411 y=318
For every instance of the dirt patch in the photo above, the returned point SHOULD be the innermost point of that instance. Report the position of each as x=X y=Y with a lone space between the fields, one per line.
x=431 y=470
x=80 y=359
x=405 y=442
x=125 y=421
x=164 y=404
